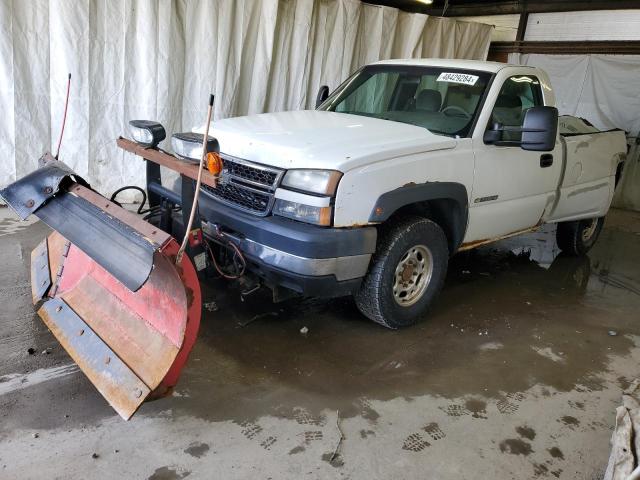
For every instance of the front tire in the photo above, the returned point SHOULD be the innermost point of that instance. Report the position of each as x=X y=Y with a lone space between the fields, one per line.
x=577 y=237
x=407 y=272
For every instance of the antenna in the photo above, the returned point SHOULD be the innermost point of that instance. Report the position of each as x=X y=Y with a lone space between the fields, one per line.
x=64 y=117
x=205 y=137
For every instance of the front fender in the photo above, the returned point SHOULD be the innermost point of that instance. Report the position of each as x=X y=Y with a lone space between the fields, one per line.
x=449 y=201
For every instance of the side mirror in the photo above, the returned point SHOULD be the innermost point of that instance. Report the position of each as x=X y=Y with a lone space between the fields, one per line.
x=323 y=94
x=540 y=129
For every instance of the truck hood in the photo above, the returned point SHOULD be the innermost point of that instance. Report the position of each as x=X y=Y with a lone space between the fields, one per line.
x=320 y=139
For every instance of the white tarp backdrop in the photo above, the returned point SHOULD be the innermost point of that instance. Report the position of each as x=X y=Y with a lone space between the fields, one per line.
x=160 y=59
x=604 y=90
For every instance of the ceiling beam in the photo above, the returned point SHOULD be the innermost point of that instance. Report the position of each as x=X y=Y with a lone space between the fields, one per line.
x=515 y=7
x=620 y=47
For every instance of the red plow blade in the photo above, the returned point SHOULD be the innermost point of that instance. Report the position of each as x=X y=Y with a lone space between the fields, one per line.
x=129 y=344
x=107 y=286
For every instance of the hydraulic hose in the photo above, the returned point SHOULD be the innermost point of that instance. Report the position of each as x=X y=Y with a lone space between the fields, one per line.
x=131 y=187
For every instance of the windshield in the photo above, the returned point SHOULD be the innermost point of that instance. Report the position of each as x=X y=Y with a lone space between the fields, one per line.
x=442 y=100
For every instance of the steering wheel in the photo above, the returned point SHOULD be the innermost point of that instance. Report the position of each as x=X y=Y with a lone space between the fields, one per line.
x=457 y=109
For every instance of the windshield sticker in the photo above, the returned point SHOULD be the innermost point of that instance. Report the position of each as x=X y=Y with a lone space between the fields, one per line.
x=463 y=78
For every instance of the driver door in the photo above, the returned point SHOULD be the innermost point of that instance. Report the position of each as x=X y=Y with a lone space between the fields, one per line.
x=512 y=187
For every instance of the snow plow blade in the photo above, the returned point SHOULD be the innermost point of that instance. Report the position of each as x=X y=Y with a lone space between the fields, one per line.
x=106 y=284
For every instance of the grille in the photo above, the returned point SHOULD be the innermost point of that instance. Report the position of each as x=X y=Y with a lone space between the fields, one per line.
x=253 y=201
x=252 y=174
x=246 y=185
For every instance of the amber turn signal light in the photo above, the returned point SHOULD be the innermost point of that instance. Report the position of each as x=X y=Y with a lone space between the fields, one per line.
x=214 y=163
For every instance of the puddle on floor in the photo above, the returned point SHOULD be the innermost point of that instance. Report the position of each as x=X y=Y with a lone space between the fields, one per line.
x=512 y=315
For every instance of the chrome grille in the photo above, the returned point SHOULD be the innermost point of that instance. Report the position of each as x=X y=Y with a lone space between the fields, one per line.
x=246 y=185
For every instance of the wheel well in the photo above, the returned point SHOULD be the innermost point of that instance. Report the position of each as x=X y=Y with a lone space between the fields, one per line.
x=446 y=212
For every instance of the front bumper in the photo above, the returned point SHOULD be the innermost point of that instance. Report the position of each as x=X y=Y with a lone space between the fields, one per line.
x=311 y=260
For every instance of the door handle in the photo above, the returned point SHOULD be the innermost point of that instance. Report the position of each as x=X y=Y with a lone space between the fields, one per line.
x=546 y=160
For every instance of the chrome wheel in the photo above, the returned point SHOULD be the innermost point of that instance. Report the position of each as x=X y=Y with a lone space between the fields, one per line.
x=588 y=232
x=412 y=275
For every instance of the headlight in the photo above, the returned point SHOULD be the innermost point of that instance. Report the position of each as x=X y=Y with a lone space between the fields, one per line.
x=302 y=212
x=147 y=133
x=323 y=182
x=188 y=145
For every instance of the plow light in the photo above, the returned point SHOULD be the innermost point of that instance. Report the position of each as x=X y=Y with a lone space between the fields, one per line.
x=147 y=133
x=188 y=145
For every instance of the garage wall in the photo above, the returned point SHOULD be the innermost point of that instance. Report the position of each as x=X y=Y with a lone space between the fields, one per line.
x=604 y=90
x=601 y=88
x=159 y=59
x=506 y=26
x=587 y=25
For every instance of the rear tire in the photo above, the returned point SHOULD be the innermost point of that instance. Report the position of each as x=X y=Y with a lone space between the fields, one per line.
x=407 y=272
x=577 y=237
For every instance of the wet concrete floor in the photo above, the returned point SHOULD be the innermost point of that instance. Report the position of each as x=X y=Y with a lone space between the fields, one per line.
x=515 y=373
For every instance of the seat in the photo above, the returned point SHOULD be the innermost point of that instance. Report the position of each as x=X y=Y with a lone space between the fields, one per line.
x=429 y=100
x=508 y=110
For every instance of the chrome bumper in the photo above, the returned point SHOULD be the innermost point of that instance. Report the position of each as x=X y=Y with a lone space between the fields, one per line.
x=343 y=268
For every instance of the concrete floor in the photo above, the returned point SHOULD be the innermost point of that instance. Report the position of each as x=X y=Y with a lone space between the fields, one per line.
x=515 y=374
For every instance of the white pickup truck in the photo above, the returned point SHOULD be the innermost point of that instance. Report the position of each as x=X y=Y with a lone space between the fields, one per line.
x=403 y=165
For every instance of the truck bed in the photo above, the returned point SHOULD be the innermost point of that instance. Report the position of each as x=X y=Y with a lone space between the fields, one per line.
x=590 y=160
